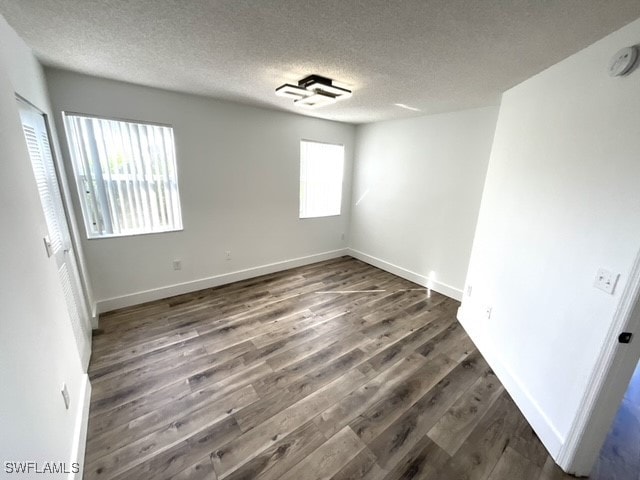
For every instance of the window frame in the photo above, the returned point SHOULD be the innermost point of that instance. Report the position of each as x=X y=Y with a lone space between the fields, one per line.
x=341 y=190
x=84 y=206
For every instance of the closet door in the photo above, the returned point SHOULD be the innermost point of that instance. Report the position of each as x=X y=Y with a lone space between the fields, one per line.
x=58 y=241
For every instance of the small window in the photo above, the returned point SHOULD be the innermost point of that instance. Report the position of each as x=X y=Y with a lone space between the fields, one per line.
x=126 y=176
x=321 y=168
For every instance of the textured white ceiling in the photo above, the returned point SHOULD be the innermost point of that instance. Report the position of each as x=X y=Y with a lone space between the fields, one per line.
x=434 y=55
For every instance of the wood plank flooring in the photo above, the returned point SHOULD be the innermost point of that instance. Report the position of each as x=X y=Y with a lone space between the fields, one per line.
x=335 y=370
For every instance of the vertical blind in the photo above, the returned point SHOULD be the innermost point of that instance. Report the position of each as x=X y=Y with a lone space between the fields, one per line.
x=126 y=175
x=321 y=168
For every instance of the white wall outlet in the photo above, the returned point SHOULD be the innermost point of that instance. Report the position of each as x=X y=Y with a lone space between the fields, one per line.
x=65 y=396
x=177 y=264
x=469 y=290
x=342 y=236
x=228 y=254
x=487 y=312
x=606 y=280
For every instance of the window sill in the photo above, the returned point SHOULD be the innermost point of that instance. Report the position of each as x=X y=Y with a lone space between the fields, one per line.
x=122 y=235
x=320 y=216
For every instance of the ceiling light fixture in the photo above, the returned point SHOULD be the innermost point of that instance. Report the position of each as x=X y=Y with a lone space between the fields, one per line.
x=317 y=99
x=313 y=91
x=292 y=91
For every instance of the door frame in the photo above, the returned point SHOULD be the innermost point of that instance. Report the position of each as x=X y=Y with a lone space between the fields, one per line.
x=607 y=383
x=68 y=212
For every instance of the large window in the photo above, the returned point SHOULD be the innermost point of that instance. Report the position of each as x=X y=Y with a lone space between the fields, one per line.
x=321 y=167
x=126 y=175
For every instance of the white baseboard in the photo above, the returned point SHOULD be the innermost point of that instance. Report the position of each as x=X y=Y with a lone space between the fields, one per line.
x=80 y=429
x=85 y=354
x=94 y=315
x=214 y=281
x=422 y=280
x=541 y=424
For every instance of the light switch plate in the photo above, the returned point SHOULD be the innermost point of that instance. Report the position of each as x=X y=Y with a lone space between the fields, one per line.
x=606 y=281
x=65 y=396
x=487 y=312
x=48 y=246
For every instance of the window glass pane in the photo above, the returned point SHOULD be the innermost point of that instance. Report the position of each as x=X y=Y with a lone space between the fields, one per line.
x=321 y=168
x=126 y=176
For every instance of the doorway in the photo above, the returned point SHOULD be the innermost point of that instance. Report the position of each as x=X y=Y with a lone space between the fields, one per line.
x=620 y=455
x=618 y=359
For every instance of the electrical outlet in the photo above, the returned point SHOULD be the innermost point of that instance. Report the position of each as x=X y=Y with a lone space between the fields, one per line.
x=342 y=236
x=228 y=254
x=65 y=396
x=487 y=312
x=177 y=264
x=469 y=290
x=606 y=281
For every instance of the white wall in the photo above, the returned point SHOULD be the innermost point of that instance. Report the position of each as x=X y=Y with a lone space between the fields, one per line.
x=561 y=199
x=38 y=352
x=238 y=178
x=416 y=194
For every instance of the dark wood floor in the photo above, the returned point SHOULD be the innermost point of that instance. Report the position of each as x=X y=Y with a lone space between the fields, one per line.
x=335 y=370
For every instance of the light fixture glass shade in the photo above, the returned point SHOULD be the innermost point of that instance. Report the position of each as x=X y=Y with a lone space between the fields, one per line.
x=317 y=99
x=342 y=93
x=292 y=91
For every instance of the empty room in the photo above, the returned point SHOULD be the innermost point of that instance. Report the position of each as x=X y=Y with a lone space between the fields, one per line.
x=275 y=239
